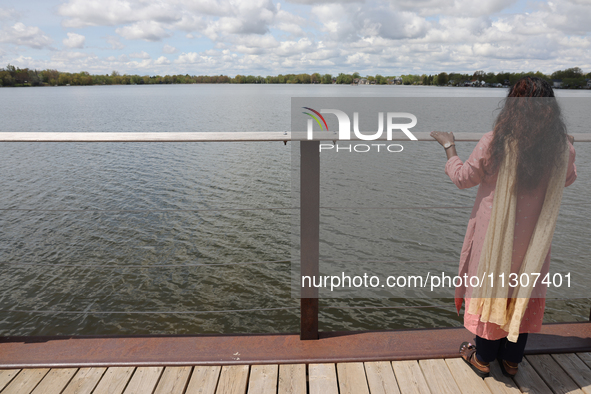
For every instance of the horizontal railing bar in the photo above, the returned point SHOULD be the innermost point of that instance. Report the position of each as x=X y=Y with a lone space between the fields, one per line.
x=143 y=312
x=389 y=261
x=430 y=207
x=285 y=261
x=422 y=306
x=255 y=136
x=244 y=209
x=145 y=210
x=148 y=266
x=388 y=307
x=237 y=136
x=38 y=311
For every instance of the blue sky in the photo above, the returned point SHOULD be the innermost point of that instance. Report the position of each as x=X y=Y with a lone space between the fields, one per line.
x=267 y=37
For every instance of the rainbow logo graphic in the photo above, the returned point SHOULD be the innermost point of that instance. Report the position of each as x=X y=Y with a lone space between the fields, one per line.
x=315 y=118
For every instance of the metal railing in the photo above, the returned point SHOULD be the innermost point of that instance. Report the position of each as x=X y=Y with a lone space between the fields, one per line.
x=309 y=196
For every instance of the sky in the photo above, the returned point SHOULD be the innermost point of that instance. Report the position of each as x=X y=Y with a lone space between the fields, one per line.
x=267 y=37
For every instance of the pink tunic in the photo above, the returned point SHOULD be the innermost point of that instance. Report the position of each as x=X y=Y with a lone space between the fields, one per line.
x=472 y=173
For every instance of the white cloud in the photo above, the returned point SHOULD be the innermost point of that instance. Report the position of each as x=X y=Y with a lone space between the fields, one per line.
x=140 y=55
x=169 y=49
x=464 y=8
x=30 y=36
x=80 y=13
x=148 y=31
x=210 y=7
x=568 y=16
x=313 y=2
x=68 y=56
x=115 y=42
x=243 y=17
x=8 y=14
x=265 y=37
x=74 y=40
x=188 y=58
x=162 y=60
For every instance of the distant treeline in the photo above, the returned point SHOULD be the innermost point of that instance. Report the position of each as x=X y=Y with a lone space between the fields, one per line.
x=13 y=76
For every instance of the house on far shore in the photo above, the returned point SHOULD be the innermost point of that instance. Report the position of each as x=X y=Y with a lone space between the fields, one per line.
x=397 y=81
x=362 y=81
x=474 y=82
x=589 y=84
x=557 y=83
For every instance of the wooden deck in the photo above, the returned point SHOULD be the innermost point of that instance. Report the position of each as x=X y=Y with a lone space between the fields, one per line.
x=540 y=374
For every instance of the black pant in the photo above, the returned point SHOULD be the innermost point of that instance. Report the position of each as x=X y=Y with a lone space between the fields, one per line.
x=488 y=350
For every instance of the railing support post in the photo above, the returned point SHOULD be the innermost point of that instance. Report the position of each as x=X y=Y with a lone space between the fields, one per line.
x=309 y=235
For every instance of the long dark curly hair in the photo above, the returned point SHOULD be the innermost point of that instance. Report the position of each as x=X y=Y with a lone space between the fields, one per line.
x=530 y=117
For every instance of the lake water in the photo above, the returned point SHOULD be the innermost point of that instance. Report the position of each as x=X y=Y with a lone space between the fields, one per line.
x=124 y=238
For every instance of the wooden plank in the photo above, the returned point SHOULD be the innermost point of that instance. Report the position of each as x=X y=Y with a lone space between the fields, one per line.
x=114 y=380
x=233 y=379
x=466 y=379
x=174 y=380
x=380 y=378
x=438 y=376
x=204 y=380
x=84 y=381
x=26 y=381
x=586 y=357
x=499 y=383
x=60 y=352
x=553 y=374
x=6 y=376
x=55 y=381
x=263 y=379
x=323 y=379
x=576 y=369
x=529 y=381
x=292 y=379
x=144 y=380
x=351 y=378
x=410 y=377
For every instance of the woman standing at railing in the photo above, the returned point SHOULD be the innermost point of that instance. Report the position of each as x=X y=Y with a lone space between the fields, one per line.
x=521 y=167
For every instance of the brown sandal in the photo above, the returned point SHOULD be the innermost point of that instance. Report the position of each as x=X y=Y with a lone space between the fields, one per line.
x=468 y=354
x=508 y=368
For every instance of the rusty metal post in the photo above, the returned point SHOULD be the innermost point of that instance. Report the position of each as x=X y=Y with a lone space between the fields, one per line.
x=309 y=235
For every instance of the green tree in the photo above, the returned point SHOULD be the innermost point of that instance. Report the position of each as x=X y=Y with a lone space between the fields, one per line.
x=345 y=78
x=479 y=75
x=64 y=79
x=380 y=80
x=304 y=78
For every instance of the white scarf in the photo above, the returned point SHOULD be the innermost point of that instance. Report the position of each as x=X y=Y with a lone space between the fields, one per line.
x=492 y=303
